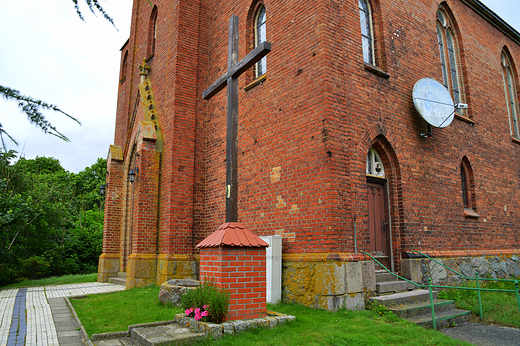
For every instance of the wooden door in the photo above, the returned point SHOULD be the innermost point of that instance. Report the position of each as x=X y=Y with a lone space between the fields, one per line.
x=378 y=224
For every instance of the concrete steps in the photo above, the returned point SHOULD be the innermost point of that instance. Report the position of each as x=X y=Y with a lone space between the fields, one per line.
x=415 y=307
x=388 y=283
x=120 y=279
x=150 y=334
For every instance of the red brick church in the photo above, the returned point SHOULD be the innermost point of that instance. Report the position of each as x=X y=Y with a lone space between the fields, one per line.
x=332 y=154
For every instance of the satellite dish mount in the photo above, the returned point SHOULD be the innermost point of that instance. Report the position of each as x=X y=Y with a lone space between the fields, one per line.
x=434 y=104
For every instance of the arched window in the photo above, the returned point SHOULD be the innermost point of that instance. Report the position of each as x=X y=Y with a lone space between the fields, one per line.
x=511 y=95
x=367 y=34
x=152 y=33
x=260 y=36
x=468 y=189
x=375 y=164
x=124 y=67
x=448 y=50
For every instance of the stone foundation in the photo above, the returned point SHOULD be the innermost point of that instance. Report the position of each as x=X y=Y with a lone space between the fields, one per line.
x=328 y=285
x=487 y=266
x=176 y=267
x=108 y=266
x=141 y=270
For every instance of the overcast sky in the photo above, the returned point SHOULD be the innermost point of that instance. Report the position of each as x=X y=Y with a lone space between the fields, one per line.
x=47 y=52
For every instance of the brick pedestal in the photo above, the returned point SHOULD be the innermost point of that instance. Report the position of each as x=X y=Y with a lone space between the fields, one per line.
x=234 y=259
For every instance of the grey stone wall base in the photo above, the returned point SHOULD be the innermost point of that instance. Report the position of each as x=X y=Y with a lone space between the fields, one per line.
x=216 y=331
x=495 y=267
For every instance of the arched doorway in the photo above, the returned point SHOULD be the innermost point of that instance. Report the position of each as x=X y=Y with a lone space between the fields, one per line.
x=378 y=209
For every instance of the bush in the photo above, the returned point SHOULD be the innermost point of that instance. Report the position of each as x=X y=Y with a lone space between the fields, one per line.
x=207 y=303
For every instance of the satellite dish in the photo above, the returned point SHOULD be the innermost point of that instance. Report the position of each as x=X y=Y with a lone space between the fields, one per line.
x=433 y=102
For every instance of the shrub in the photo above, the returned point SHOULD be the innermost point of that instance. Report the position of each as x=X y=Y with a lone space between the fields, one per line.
x=206 y=302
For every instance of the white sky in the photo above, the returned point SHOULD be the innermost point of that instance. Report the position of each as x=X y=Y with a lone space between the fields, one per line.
x=47 y=52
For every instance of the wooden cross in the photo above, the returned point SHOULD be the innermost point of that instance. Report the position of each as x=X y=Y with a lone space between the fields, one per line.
x=230 y=79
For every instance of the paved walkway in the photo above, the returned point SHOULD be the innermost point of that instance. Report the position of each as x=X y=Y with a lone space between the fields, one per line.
x=39 y=316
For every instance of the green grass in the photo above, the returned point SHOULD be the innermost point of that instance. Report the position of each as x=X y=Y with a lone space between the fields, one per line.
x=114 y=312
x=498 y=307
x=56 y=280
x=320 y=327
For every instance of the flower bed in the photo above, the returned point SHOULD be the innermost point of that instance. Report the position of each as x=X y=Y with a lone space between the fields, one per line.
x=216 y=331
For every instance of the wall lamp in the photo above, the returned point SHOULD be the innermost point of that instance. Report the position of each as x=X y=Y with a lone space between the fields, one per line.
x=132 y=174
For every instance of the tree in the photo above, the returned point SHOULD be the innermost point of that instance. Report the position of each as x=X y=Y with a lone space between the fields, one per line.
x=50 y=219
x=33 y=107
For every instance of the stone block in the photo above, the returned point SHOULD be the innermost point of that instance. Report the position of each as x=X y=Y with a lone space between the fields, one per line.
x=141 y=270
x=108 y=266
x=354 y=302
x=411 y=269
x=369 y=276
x=477 y=261
x=172 y=290
x=239 y=326
x=329 y=278
x=171 y=267
x=354 y=277
x=437 y=272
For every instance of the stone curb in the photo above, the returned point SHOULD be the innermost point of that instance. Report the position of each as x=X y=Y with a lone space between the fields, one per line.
x=216 y=331
x=84 y=334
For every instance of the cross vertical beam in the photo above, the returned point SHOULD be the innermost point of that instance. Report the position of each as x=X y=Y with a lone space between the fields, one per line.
x=232 y=126
x=230 y=79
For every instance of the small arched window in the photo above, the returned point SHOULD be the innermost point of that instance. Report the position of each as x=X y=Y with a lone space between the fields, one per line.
x=152 y=33
x=124 y=66
x=260 y=36
x=375 y=164
x=449 y=53
x=468 y=189
x=367 y=33
x=511 y=95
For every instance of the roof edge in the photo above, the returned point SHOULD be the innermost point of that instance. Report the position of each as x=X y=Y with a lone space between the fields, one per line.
x=486 y=13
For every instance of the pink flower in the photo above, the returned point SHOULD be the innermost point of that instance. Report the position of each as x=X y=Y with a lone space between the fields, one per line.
x=204 y=313
x=198 y=317
x=197 y=311
x=188 y=311
x=205 y=307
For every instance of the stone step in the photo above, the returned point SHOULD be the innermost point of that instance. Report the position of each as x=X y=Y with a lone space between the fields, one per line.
x=443 y=319
x=121 y=274
x=385 y=277
x=117 y=281
x=411 y=297
x=393 y=286
x=169 y=334
x=422 y=308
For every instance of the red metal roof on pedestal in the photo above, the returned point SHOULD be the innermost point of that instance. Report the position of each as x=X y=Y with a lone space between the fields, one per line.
x=232 y=234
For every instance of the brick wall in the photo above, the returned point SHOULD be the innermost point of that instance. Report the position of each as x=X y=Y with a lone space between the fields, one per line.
x=305 y=131
x=241 y=271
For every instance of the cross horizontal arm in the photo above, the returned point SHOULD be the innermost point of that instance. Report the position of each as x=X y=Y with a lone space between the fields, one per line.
x=243 y=65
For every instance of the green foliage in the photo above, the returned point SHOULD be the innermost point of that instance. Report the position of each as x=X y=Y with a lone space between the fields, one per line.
x=33 y=108
x=51 y=219
x=379 y=309
x=497 y=307
x=207 y=297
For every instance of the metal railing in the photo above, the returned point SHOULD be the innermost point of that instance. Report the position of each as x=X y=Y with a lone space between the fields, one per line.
x=476 y=278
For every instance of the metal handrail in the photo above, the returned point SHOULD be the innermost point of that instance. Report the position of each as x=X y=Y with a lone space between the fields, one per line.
x=477 y=279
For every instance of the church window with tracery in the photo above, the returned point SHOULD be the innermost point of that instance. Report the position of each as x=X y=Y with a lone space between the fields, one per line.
x=374 y=164
x=448 y=50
